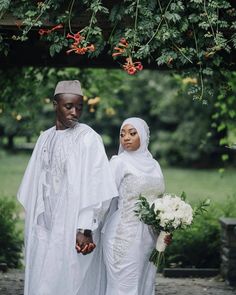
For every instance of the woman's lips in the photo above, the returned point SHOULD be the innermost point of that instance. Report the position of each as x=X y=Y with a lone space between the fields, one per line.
x=127 y=144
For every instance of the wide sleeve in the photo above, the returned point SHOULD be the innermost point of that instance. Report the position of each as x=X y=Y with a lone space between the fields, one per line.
x=87 y=218
x=92 y=180
x=26 y=191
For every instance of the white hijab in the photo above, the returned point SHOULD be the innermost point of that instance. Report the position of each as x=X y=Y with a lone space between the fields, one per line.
x=141 y=159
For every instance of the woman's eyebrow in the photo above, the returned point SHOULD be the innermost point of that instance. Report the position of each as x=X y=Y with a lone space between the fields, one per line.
x=132 y=129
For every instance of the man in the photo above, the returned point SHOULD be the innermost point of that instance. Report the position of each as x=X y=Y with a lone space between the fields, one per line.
x=65 y=191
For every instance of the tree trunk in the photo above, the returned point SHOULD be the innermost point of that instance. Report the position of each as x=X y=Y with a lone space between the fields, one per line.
x=28 y=138
x=10 y=142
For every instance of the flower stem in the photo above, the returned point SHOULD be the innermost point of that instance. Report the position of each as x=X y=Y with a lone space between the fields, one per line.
x=167 y=23
x=200 y=65
x=162 y=18
x=25 y=32
x=70 y=13
x=208 y=18
x=135 y=25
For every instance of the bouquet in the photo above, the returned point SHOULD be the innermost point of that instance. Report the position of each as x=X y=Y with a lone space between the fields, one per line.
x=165 y=215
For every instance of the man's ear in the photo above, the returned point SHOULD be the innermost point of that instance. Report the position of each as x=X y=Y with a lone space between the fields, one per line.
x=54 y=103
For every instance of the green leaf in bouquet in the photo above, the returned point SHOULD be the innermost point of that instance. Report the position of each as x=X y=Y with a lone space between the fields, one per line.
x=157 y=258
x=146 y=212
x=183 y=196
x=201 y=207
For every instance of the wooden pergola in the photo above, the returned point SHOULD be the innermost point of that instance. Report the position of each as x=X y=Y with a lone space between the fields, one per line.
x=35 y=52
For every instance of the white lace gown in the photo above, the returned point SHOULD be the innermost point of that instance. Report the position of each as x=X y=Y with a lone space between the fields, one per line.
x=128 y=242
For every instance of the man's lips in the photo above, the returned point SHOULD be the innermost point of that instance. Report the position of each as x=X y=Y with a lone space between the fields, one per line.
x=73 y=120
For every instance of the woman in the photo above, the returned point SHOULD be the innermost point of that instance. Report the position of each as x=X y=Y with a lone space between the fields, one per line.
x=128 y=242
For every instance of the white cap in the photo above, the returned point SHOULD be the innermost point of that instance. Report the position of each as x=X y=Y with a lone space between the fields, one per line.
x=71 y=86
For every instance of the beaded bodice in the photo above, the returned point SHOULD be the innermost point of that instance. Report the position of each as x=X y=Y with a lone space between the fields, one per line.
x=131 y=187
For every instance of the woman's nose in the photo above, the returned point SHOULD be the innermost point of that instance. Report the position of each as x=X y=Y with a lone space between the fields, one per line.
x=126 y=137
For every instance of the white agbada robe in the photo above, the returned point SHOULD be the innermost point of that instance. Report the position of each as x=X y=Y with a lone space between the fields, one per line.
x=128 y=242
x=67 y=185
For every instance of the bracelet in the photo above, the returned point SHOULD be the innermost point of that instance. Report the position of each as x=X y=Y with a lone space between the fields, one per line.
x=85 y=232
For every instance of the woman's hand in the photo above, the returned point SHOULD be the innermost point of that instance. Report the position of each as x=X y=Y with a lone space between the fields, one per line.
x=84 y=243
x=168 y=239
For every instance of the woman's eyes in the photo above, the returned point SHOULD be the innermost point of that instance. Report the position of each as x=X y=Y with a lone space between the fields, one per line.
x=131 y=133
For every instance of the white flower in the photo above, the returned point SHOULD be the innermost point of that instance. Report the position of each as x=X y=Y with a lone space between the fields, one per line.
x=172 y=211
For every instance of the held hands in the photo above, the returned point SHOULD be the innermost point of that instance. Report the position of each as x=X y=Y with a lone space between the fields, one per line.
x=84 y=243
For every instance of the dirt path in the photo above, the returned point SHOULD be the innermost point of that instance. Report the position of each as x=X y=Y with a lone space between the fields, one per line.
x=11 y=283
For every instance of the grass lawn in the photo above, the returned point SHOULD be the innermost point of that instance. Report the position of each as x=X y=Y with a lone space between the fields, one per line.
x=198 y=184
x=201 y=184
x=12 y=167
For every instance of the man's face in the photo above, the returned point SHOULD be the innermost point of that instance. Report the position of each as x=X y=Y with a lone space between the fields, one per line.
x=68 y=109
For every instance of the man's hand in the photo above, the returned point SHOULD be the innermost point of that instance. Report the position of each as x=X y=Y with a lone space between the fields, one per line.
x=84 y=244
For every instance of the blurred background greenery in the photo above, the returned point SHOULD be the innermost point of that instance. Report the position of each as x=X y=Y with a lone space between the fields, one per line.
x=184 y=132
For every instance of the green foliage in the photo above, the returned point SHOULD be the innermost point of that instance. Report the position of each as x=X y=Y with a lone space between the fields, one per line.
x=4 y=4
x=202 y=207
x=181 y=130
x=22 y=105
x=199 y=246
x=182 y=133
x=185 y=32
x=174 y=34
x=26 y=109
x=11 y=242
x=223 y=118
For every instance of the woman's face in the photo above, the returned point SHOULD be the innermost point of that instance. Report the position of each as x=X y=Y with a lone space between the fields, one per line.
x=129 y=138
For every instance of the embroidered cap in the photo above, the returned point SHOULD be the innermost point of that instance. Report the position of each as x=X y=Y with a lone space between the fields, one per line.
x=70 y=87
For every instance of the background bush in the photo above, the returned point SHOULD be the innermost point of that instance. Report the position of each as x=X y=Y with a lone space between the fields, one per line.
x=199 y=246
x=11 y=241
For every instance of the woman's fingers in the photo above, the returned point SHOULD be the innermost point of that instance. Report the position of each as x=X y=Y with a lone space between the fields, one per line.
x=85 y=249
x=168 y=239
x=91 y=247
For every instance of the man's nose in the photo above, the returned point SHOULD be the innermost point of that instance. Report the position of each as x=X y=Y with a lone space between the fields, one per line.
x=74 y=111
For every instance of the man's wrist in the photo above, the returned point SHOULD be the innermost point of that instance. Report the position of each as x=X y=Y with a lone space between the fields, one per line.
x=85 y=232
